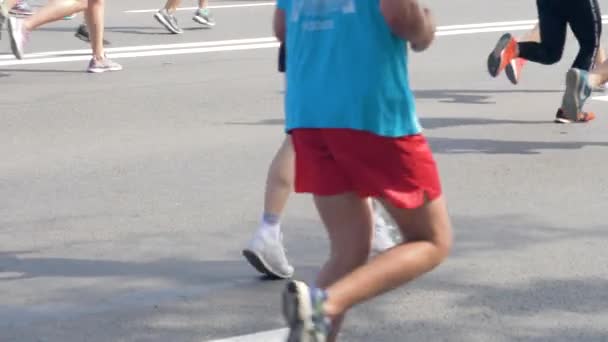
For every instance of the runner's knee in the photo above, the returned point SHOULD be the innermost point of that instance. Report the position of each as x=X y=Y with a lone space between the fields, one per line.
x=280 y=176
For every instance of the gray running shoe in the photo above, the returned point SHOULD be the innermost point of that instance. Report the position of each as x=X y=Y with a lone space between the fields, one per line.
x=22 y=8
x=19 y=36
x=203 y=17
x=266 y=254
x=577 y=92
x=168 y=21
x=98 y=66
x=303 y=313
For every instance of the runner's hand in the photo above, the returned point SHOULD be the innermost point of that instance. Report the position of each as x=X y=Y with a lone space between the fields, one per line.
x=429 y=32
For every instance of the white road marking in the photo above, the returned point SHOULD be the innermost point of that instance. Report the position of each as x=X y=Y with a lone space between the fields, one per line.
x=150 y=53
x=495 y=24
x=482 y=25
x=506 y=26
x=483 y=30
x=232 y=45
x=279 y=335
x=601 y=98
x=147 y=47
x=258 y=4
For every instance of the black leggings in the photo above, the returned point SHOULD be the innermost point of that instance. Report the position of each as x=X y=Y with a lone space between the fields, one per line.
x=585 y=20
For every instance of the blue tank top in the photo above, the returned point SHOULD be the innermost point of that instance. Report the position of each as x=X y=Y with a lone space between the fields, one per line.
x=346 y=69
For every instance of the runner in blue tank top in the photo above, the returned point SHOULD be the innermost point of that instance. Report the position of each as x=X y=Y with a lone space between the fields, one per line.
x=352 y=118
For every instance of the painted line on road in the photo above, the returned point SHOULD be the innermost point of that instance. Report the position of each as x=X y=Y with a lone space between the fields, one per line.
x=455 y=30
x=222 y=45
x=279 y=335
x=601 y=98
x=259 y=4
x=147 y=47
x=483 y=30
x=151 y=53
x=495 y=24
x=441 y=31
x=492 y=24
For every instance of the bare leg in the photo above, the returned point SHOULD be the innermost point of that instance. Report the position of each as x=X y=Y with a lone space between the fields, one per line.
x=19 y=30
x=95 y=21
x=599 y=75
x=279 y=182
x=348 y=221
x=265 y=251
x=172 y=5
x=53 y=11
x=601 y=55
x=531 y=36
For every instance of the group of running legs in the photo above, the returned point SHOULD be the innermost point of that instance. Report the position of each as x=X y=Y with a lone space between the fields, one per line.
x=545 y=45
x=22 y=20
x=265 y=251
x=354 y=169
x=314 y=311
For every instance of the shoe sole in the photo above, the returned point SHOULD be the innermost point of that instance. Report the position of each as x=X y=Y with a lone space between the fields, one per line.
x=100 y=71
x=495 y=57
x=18 y=53
x=510 y=71
x=205 y=23
x=21 y=14
x=261 y=266
x=296 y=308
x=166 y=24
x=562 y=121
x=573 y=90
x=568 y=121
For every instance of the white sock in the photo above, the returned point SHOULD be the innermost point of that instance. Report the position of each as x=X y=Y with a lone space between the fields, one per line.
x=273 y=230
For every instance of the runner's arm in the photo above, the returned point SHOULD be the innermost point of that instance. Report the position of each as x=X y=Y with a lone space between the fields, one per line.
x=409 y=21
x=279 y=24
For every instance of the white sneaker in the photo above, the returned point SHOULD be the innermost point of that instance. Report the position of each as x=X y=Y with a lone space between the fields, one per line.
x=102 y=65
x=19 y=36
x=382 y=239
x=267 y=255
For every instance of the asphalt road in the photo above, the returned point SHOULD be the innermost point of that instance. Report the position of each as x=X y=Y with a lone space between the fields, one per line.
x=125 y=198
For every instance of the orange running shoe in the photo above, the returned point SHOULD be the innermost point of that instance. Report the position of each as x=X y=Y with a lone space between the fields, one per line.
x=503 y=53
x=582 y=117
x=514 y=68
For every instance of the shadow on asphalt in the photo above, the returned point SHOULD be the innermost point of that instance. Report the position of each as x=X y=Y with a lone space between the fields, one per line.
x=473 y=96
x=467 y=146
x=48 y=71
